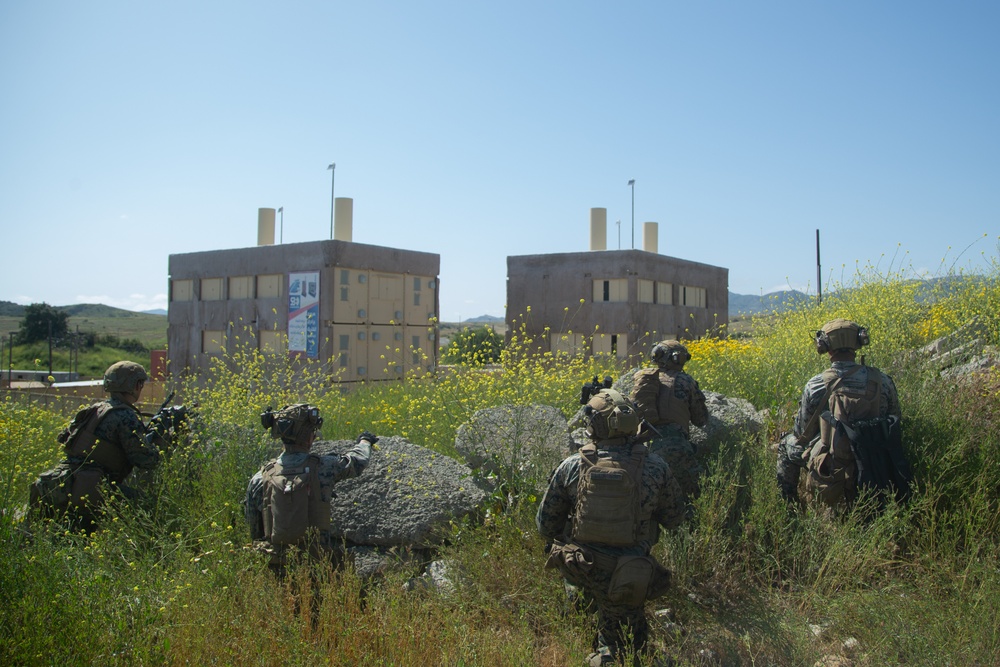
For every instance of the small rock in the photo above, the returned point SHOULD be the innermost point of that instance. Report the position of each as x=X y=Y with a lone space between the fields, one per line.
x=818 y=629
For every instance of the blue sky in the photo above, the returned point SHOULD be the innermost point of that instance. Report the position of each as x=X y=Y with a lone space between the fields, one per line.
x=131 y=131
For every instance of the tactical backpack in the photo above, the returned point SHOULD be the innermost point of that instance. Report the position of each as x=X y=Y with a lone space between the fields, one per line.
x=857 y=446
x=654 y=394
x=608 y=498
x=77 y=485
x=293 y=502
x=80 y=441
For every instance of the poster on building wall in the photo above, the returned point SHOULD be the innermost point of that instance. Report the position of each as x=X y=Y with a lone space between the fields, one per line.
x=303 y=313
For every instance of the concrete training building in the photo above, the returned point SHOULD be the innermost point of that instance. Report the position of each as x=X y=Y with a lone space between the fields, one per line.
x=615 y=302
x=367 y=312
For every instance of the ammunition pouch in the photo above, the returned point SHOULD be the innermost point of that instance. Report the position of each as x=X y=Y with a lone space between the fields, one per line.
x=49 y=494
x=637 y=579
x=573 y=561
x=829 y=477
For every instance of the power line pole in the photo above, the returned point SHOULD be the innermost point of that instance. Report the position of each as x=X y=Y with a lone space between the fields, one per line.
x=819 y=276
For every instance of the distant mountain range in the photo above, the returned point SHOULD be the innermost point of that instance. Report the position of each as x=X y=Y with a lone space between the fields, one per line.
x=750 y=304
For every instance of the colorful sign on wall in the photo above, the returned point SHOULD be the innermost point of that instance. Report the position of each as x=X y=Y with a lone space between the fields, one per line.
x=303 y=313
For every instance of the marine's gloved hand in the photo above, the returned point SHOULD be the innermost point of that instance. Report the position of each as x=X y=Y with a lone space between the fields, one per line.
x=369 y=436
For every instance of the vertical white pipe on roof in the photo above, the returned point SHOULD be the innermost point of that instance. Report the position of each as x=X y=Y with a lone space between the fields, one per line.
x=265 y=226
x=598 y=229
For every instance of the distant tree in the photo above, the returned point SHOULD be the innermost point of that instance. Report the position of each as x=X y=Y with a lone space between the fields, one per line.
x=474 y=347
x=37 y=318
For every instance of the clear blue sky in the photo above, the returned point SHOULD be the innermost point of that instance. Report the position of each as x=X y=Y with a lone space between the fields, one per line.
x=133 y=130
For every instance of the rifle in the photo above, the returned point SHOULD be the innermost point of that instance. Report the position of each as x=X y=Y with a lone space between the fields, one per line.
x=593 y=388
x=164 y=425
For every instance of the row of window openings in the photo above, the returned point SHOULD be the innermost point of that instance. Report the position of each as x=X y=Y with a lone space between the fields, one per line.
x=649 y=291
x=268 y=286
x=211 y=339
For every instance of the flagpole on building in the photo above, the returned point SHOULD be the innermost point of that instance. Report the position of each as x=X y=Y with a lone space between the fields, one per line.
x=333 y=177
x=631 y=184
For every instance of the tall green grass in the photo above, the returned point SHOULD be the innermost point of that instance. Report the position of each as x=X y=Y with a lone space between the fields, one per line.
x=170 y=578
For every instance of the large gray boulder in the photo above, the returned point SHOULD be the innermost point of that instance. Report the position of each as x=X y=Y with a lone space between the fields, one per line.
x=729 y=420
x=404 y=497
x=962 y=353
x=529 y=440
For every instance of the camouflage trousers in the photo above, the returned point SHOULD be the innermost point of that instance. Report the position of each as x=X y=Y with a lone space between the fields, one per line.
x=593 y=584
x=788 y=466
x=321 y=549
x=679 y=454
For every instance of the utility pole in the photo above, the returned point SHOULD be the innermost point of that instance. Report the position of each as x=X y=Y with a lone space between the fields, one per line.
x=819 y=276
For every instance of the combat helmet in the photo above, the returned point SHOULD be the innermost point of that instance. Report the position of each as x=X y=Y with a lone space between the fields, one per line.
x=293 y=424
x=610 y=415
x=670 y=353
x=123 y=377
x=841 y=334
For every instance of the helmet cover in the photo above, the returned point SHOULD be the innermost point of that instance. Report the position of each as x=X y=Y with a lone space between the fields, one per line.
x=296 y=422
x=840 y=334
x=123 y=377
x=611 y=415
x=670 y=353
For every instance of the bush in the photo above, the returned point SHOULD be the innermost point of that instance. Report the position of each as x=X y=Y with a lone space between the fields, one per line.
x=474 y=347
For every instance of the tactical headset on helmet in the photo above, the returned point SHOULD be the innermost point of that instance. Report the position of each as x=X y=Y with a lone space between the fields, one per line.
x=123 y=377
x=292 y=423
x=841 y=334
x=670 y=352
x=610 y=415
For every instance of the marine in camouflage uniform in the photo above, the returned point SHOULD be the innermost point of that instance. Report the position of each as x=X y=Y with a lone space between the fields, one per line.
x=670 y=400
x=118 y=443
x=297 y=432
x=620 y=626
x=839 y=339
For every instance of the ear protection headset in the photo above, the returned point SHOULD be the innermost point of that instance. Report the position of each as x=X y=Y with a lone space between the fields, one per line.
x=841 y=334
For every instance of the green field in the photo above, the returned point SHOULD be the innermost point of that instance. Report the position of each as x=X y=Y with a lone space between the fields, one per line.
x=150 y=330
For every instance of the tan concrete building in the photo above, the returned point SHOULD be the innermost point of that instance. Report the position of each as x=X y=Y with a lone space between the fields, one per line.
x=616 y=302
x=366 y=312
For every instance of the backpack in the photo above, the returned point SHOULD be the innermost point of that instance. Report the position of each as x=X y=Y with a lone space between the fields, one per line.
x=654 y=394
x=79 y=440
x=293 y=502
x=857 y=447
x=608 y=498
